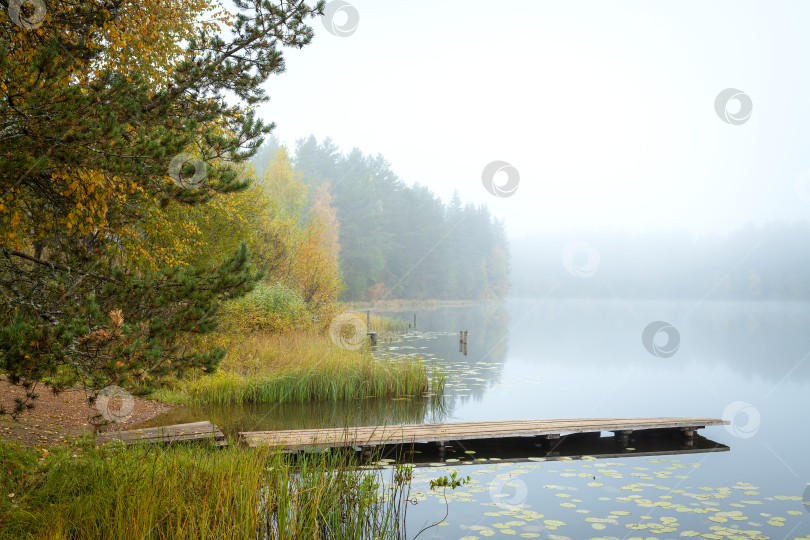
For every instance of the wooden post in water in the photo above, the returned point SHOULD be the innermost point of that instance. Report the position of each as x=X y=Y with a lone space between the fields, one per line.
x=372 y=336
x=414 y=321
x=462 y=342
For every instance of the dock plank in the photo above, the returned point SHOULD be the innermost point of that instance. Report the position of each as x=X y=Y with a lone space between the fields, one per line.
x=195 y=431
x=292 y=440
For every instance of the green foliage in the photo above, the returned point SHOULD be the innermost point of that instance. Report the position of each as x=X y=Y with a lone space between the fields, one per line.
x=399 y=241
x=191 y=492
x=274 y=308
x=285 y=187
x=403 y=474
x=451 y=481
x=131 y=330
x=93 y=114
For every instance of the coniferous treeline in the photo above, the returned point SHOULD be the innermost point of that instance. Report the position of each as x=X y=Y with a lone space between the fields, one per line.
x=400 y=241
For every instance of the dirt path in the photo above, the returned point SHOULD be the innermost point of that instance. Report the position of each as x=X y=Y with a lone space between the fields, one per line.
x=56 y=417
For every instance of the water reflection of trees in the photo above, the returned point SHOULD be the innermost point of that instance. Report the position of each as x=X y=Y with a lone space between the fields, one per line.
x=318 y=414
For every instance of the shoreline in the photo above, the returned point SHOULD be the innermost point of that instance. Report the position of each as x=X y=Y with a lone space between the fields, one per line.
x=56 y=418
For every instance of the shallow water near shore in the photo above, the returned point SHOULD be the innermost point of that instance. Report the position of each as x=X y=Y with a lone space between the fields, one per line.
x=529 y=359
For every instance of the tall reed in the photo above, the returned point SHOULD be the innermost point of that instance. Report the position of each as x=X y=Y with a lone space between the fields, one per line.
x=272 y=368
x=193 y=492
x=383 y=324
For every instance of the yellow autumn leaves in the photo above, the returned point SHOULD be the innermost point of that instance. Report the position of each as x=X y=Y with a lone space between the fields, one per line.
x=145 y=38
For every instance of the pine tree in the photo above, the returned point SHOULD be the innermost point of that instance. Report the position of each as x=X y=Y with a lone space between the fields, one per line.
x=101 y=109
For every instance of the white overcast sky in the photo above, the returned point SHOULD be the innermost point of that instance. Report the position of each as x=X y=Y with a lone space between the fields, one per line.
x=606 y=108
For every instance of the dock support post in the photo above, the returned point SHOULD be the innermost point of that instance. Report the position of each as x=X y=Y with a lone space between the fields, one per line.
x=546 y=442
x=689 y=436
x=442 y=449
x=368 y=452
x=623 y=437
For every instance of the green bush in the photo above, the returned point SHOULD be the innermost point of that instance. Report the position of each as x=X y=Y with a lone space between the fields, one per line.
x=274 y=308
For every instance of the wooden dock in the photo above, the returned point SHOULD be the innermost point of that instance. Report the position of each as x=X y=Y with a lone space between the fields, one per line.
x=194 y=432
x=373 y=436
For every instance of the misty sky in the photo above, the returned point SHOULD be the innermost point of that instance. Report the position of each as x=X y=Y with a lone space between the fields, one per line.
x=606 y=109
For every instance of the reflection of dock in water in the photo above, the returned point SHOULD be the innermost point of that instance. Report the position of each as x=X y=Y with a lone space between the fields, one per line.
x=571 y=447
x=508 y=440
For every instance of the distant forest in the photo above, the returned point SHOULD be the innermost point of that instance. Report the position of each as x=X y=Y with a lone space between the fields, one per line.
x=396 y=240
x=768 y=262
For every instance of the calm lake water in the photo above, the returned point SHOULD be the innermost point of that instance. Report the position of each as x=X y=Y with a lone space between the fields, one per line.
x=530 y=359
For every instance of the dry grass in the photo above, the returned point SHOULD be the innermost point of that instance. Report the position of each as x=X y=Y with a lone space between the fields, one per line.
x=191 y=492
x=299 y=367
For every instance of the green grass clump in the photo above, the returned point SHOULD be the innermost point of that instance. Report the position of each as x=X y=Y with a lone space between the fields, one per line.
x=151 y=492
x=300 y=367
